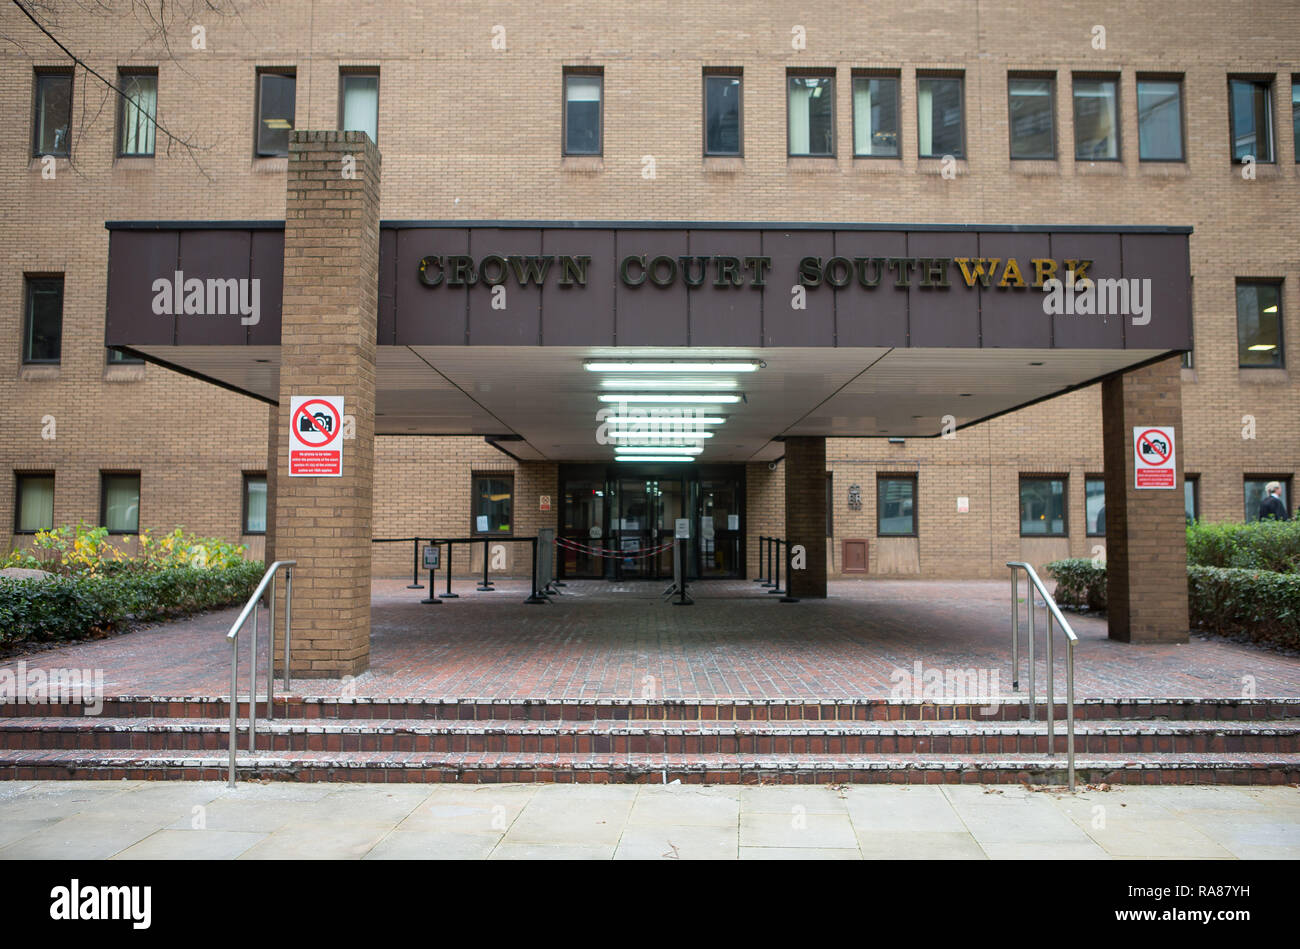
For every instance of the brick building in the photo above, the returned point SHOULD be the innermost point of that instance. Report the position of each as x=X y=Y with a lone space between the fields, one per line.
x=996 y=116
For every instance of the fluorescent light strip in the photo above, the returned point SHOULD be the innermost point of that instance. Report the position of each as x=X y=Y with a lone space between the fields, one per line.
x=656 y=449
x=678 y=435
x=670 y=366
x=665 y=419
x=652 y=458
x=669 y=384
x=720 y=398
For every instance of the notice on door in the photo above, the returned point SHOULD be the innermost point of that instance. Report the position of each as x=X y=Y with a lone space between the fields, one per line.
x=315 y=436
x=1153 y=457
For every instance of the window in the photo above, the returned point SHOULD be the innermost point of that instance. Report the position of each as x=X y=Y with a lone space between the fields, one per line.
x=896 y=506
x=493 y=500
x=33 y=503
x=137 y=112
x=1094 y=506
x=830 y=504
x=722 y=113
x=254 y=503
x=117 y=357
x=275 y=111
x=810 y=106
x=1042 y=507
x=583 y=92
x=1032 y=105
x=43 y=321
x=1096 y=119
x=1256 y=492
x=119 y=502
x=1160 y=119
x=1259 y=325
x=1250 y=102
x=359 y=103
x=52 y=126
x=1192 y=497
x=1295 y=114
x=875 y=117
x=940 y=123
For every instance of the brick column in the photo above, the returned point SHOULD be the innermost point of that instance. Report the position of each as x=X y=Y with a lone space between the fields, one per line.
x=1146 y=548
x=327 y=347
x=805 y=513
x=272 y=453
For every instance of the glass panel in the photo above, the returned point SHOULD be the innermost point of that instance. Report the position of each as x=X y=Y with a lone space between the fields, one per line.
x=1295 y=114
x=1042 y=506
x=1256 y=494
x=1259 y=325
x=1096 y=120
x=1094 y=504
x=582 y=115
x=1252 y=127
x=895 y=500
x=722 y=115
x=139 y=109
x=939 y=117
x=122 y=503
x=1160 y=120
x=810 y=107
x=584 y=523
x=361 y=105
x=43 y=335
x=275 y=113
x=1189 y=498
x=633 y=527
x=53 y=114
x=719 y=509
x=255 y=505
x=493 y=499
x=875 y=117
x=35 y=502
x=1031 y=118
x=117 y=357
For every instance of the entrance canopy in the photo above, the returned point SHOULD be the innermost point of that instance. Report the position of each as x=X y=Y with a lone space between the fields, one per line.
x=539 y=333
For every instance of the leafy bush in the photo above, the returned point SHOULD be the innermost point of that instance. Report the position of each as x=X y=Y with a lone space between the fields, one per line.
x=1080 y=583
x=69 y=607
x=1263 y=545
x=1262 y=604
x=90 y=551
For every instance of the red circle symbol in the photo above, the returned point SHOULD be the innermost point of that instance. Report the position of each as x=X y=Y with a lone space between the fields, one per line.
x=1161 y=446
x=313 y=424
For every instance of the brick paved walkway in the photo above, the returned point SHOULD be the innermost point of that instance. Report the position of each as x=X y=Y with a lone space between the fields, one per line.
x=606 y=640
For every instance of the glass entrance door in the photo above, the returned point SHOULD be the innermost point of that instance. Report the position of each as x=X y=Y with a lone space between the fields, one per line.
x=647 y=513
x=717 y=527
x=583 y=523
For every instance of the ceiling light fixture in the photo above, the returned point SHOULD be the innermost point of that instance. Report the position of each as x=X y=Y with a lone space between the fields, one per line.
x=669 y=384
x=652 y=458
x=676 y=435
x=666 y=419
x=671 y=366
x=719 y=398
x=657 y=449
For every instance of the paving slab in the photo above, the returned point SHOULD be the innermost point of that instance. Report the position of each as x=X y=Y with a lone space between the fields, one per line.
x=191 y=845
x=686 y=804
x=817 y=831
x=919 y=845
x=319 y=840
x=79 y=838
x=433 y=845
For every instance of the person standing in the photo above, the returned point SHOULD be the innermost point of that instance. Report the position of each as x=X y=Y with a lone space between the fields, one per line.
x=1273 y=508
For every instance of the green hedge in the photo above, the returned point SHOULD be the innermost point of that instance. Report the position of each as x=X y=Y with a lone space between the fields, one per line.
x=1080 y=583
x=58 y=607
x=1263 y=545
x=1262 y=604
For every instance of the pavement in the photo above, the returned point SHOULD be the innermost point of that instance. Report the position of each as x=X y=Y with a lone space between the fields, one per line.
x=125 y=820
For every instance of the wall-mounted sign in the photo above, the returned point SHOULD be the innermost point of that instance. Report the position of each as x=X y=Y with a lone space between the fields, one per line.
x=315 y=442
x=544 y=502
x=683 y=531
x=1153 y=457
x=855 y=497
x=963 y=505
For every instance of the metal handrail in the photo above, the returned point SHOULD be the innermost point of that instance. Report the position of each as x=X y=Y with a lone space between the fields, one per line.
x=250 y=609
x=1053 y=611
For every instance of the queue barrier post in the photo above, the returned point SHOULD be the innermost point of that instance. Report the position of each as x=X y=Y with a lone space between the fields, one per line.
x=415 y=566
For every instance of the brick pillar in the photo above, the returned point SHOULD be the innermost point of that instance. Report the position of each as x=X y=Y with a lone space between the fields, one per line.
x=327 y=347
x=1146 y=548
x=272 y=429
x=805 y=513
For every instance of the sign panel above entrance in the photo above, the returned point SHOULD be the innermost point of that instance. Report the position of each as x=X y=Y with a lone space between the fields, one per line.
x=680 y=285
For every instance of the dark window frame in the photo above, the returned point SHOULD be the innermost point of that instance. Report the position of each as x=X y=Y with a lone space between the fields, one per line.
x=1295 y=132
x=1117 y=79
x=1286 y=480
x=597 y=72
x=39 y=73
x=104 y=475
x=897 y=76
x=18 y=497
x=1278 y=282
x=1180 y=80
x=1087 y=529
x=365 y=72
x=246 y=476
x=290 y=72
x=830 y=504
x=916 y=502
x=1050 y=79
x=123 y=357
x=125 y=72
x=720 y=72
x=1268 y=81
x=473 y=502
x=30 y=284
x=1195 y=481
x=793 y=72
x=960 y=77
x=1065 y=503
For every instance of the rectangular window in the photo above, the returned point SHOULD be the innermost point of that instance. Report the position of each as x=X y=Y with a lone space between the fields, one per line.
x=52 y=125
x=896 y=505
x=875 y=116
x=493 y=501
x=1160 y=119
x=1042 y=507
x=1259 y=325
x=583 y=92
x=1192 y=497
x=119 y=502
x=137 y=112
x=1295 y=114
x=1250 y=102
x=1094 y=506
x=1096 y=119
x=276 y=91
x=43 y=320
x=117 y=357
x=1263 y=504
x=1032 y=105
x=359 y=102
x=810 y=107
x=254 y=504
x=722 y=113
x=940 y=119
x=33 y=503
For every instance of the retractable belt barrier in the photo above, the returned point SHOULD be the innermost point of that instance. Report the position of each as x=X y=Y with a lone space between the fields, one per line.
x=541 y=565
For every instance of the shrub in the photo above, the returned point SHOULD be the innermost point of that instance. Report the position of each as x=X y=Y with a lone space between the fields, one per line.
x=90 y=551
x=1262 y=604
x=1080 y=583
x=1263 y=545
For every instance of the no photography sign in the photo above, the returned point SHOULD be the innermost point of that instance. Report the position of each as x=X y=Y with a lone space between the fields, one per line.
x=316 y=436
x=1153 y=457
